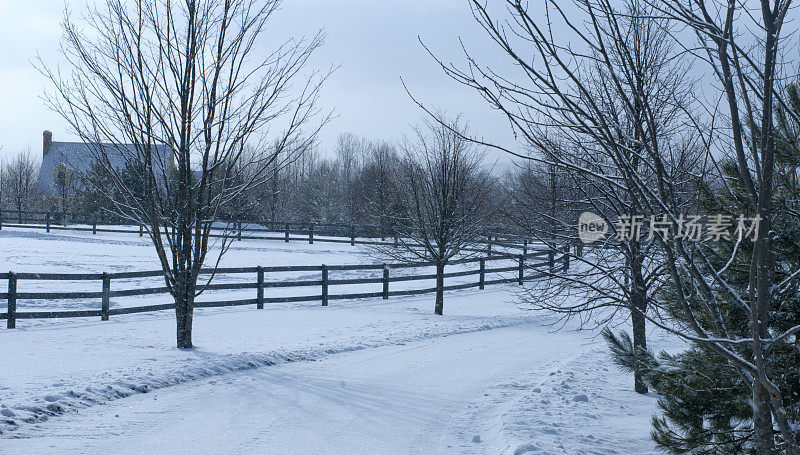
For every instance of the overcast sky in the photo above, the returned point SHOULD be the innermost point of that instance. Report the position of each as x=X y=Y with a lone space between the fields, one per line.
x=374 y=41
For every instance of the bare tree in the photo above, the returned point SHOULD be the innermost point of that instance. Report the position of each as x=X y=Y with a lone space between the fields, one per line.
x=746 y=67
x=444 y=198
x=350 y=152
x=740 y=42
x=583 y=110
x=544 y=200
x=377 y=189
x=20 y=176
x=189 y=87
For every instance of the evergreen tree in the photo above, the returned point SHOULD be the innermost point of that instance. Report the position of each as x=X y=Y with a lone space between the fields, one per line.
x=97 y=191
x=706 y=403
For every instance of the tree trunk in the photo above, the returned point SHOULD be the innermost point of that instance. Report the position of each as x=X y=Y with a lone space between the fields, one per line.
x=762 y=420
x=639 y=342
x=439 y=289
x=184 y=309
x=638 y=308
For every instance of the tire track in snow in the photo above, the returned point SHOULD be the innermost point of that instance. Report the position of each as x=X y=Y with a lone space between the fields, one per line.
x=16 y=415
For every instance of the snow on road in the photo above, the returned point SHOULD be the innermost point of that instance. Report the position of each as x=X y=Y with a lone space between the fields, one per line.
x=75 y=365
x=430 y=396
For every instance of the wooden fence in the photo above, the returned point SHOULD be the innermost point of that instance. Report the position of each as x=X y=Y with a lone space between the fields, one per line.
x=547 y=259
x=361 y=234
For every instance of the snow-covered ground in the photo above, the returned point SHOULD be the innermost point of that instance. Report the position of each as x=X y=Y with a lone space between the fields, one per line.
x=364 y=376
x=81 y=252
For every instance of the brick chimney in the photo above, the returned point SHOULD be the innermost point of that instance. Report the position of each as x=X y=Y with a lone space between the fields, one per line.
x=47 y=141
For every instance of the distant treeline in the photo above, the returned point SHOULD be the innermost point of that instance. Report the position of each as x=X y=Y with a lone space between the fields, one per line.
x=356 y=184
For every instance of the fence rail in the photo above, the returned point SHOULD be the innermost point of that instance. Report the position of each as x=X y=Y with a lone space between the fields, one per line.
x=524 y=264
x=240 y=229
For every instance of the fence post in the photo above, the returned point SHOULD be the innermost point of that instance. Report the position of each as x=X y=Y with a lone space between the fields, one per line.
x=579 y=249
x=238 y=227
x=311 y=233
x=141 y=230
x=1 y=219
x=566 y=257
x=94 y=227
x=286 y=239
x=260 y=288
x=521 y=268
x=489 y=245
x=48 y=221
x=551 y=260
x=324 y=285
x=106 y=290
x=482 y=279
x=352 y=235
x=12 y=301
x=385 y=282
x=525 y=246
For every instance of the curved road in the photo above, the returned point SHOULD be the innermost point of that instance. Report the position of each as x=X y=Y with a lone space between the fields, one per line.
x=394 y=399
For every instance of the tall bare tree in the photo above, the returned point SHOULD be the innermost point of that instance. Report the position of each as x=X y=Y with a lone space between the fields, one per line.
x=377 y=186
x=350 y=151
x=583 y=110
x=444 y=196
x=190 y=87
x=746 y=67
x=740 y=45
x=19 y=181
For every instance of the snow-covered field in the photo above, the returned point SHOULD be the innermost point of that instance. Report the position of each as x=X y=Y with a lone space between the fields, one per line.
x=363 y=376
x=81 y=252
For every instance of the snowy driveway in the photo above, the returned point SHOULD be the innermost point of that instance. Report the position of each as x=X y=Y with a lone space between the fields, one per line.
x=394 y=399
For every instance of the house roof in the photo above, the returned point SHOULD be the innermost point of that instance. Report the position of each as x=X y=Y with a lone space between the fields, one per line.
x=79 y=158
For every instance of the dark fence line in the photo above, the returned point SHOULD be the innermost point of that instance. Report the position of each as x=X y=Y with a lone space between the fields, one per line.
x=239 y=229
x=551 y=262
